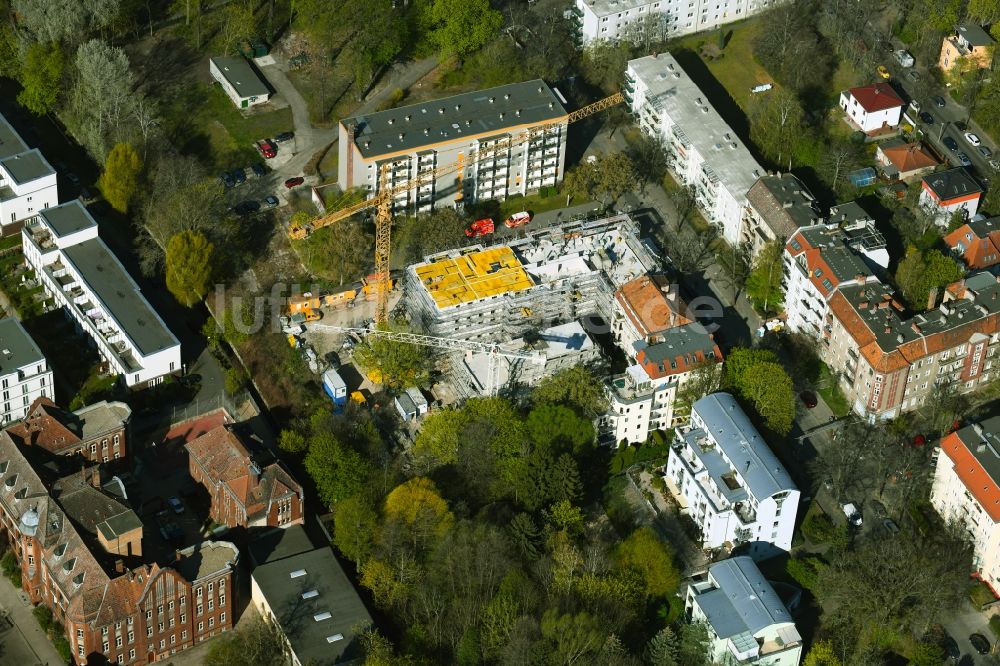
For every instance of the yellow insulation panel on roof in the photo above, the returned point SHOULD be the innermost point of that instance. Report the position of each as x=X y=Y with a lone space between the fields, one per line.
x=474 y=276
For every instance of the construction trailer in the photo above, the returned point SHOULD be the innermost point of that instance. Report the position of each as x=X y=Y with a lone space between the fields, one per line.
x=335 y=387
x=551 y=276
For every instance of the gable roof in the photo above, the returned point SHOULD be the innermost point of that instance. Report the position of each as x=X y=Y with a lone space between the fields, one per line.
x=977 y=242
x=45 y=425
x=17 y=348
x=784 y=203
x=681 y=350
x=241 y=75
x=975 y=452
x=876 y=97
x=974 y=34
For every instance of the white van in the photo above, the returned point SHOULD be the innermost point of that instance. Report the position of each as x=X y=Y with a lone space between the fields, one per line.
x=852 y=513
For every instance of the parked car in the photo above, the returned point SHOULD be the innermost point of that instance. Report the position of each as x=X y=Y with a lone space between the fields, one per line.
x=284 y=136
x=980 y=643
x=240 y=176
x=73 y=178
x=853 y=514
x=904 y=58
x=951 y=649
x=950 y=143
x=246 y=207
x=964 y=160
x=267 y=149
x=809 y=399
x=190 y=380
x=258 y=169
x=939 y=101
x=890 y=526
x=270 y=201
x=227 y=179
x=883 y=72
x=294 y=182
x=176 y=504
x=972 y=138
x=927 y=118
x=915 y=105
x=985 y=152
x=913 y=75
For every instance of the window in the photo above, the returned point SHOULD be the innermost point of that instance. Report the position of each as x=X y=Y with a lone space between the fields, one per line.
x=149 y=615
x=184 y=635
x=199 y=610
x=131 y=637
x=222 y=600
x=211 y=586
x=163 y=643
x=159 y=626
x=171 y=623
x=173 y=639
x=105 y=647
x=79 y=650
x=118 y=642
x=197 y=592
x=93 y=448
x=170 y=606
x=131 y=654
x=201 y=626
x=149 y=632
x=79 y=633
x=211 y=622
x=117 y=439
x=222 y=618
x=183 y=618
x=211 y=604
x=183 y=599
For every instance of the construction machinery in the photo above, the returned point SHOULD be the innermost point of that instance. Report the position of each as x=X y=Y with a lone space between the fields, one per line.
x=492 y=349
x=382 y=201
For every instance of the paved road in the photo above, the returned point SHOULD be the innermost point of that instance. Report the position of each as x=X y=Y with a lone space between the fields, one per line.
x=968 y=621
x=24 y=643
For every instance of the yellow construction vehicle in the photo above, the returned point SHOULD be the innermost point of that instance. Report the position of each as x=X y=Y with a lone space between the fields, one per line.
x=382 y=201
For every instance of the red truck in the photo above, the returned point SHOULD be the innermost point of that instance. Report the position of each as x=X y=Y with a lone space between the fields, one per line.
x=480 y=228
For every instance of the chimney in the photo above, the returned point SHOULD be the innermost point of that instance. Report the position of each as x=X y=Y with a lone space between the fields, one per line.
x=888 y=329
x=119 y=566
x=860 y=278
x=95 y=476
x=178 y=555
x=916 y=328
x=932 y=298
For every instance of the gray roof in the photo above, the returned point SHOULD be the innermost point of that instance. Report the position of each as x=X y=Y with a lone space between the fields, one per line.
x=68 y=218
x=469 y=115
x=120 y=296
x=93 y=509
x=10 y=141
x=115 y=526
x=205 y=559
x=317 y=609
x=681 y=341
x=952 y=183
x=974 y=34
x=743 y=601
x=984 y=226
x=989 y=456
x=849 y=213
x=241 y=76
x=278 y=544
x=28 y=166
x=784 y=203
x=746 y=450
x=17 y=348
x=101 y=417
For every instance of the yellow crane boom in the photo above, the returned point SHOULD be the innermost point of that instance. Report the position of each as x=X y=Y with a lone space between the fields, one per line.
x=382 y=201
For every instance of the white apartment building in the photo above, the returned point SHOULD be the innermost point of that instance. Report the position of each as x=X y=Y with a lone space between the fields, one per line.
x=637 y=21
x=747 y=621
x=24 y=373
x=821 y=258
x=422 y=138
x=966 y=489
x=27 y=181
x=725 y=477
x=84 y=277
x=704 y=151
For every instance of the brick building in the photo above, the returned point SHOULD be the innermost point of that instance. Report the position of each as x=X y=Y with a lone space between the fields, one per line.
x=98 y=432
x=79 y=549
x=244 y=492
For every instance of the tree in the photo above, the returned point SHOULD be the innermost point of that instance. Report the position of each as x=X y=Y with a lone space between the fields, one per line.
x=339 y=253
x=920 y=272
x=985 y=12
x=558 y=428
x=606 y=178
x=444 y=229
x=355 y=525
x=736 y=262
x=259 y=642
x=120 y=179
x=644 y=553
x=757 y=377
x=776 y=121
x=418 y=505
x=821 y=654
x=694 y=645
x=392 y=363
x=572 y=636
x=463 y=26
x=53 y=20
x=575 y=387
x=764 y=285
x=838 y=159
x=102 y=100
x=791 y=49
x=293 y=442
x=649 y=156
x=603 y=63
x=380 y=34
x=189 y=266
x=337 y=470
x=41 y=77
x=661 y=650
x=705 y=378
x=237 y=25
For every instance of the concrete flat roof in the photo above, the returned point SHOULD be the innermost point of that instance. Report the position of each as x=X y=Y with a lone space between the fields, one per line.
x=465 y=116
x=609 y=7
x=68 y=218
x=119 y=294
x=241 y=76
x=28 y=166
x=11 y=142
x=671 y=91
x=17 y=348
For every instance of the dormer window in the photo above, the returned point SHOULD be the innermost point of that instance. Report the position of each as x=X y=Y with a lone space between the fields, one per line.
x=22 y=493
x=9 y=483
x=3 y=466
x=69 y=565
x=60 y=550
x=78 y=579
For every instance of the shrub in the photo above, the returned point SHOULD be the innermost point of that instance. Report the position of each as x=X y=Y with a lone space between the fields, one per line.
x=44 y=617
x=818 y=528
x=805 y=570
x=995 y=625
x=62 y=647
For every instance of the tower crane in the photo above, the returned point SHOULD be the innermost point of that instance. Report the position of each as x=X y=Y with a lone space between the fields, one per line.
x=382 y=201
x=492 y=349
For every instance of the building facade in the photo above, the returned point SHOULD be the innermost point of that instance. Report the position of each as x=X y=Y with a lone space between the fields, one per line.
x=244 y=492
x=239 y=80
x=872 y=108
x=977 y=243
x=705 y=153
x=416 y=140
x=645 y=21
x=747 y=621
x=25 y=375
x=966 y=490
x=726 y=479
x=945 y=193
x=27 y=181
x=98 y=432
x=970 y=43
x=777 y=206
x=84 y=278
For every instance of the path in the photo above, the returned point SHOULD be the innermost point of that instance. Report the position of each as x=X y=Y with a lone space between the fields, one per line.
x=664 y=519
x=23 y=643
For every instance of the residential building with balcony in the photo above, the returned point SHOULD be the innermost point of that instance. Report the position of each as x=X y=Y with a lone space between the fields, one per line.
x=970 y=44
x=747 y=621
x=651 y=21
x=417 y=140
x=966 y=490
x=945 y=193
x=821 y=258
x=705 y=153
x=977 y=243
x=27 y=181
x=644 y=308
x=890 y=361
x=727 y=480
x=645 y=397
x=25 y=375
x=84 y=278
x=777 y=206
x=98 y=432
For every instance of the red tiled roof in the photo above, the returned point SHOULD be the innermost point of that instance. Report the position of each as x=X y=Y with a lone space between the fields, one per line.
x=647 y=307
x=971 y=472
x=909 y=157
x=979 y=252
x=876 y=97
x=43 y=426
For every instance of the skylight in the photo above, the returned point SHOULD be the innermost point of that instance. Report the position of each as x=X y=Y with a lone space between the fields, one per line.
x=310 y=594
x=335 y=638
x=319 y=617
x=298 y=573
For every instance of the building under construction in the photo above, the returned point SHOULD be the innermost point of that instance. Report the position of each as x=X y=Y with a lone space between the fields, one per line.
x=551 y=276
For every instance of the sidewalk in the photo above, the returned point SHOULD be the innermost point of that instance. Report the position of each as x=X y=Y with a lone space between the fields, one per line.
x=24 y=643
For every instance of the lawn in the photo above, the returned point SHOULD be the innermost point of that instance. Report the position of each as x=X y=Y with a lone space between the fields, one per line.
x=829 y=388
x=534 y=203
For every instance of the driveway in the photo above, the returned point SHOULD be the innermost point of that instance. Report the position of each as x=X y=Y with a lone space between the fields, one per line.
x=968 y=621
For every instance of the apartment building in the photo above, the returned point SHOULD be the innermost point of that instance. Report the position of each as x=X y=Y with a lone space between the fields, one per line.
x=890 y=361
x=643 y=309
x=83 y=566
x=244 y=491
x=27 y=181
x=419 y=139
x=747 y=621
x=98 y=432
x=25 y=375
x=945 y=193
x=84 y=278
x=970 y=43
x=777 y=206
x=726 y=479
x=645 y=397
x=977 y=243
x=704 y=151
x=644 y=21
x=966 y=490
x=821 y=258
